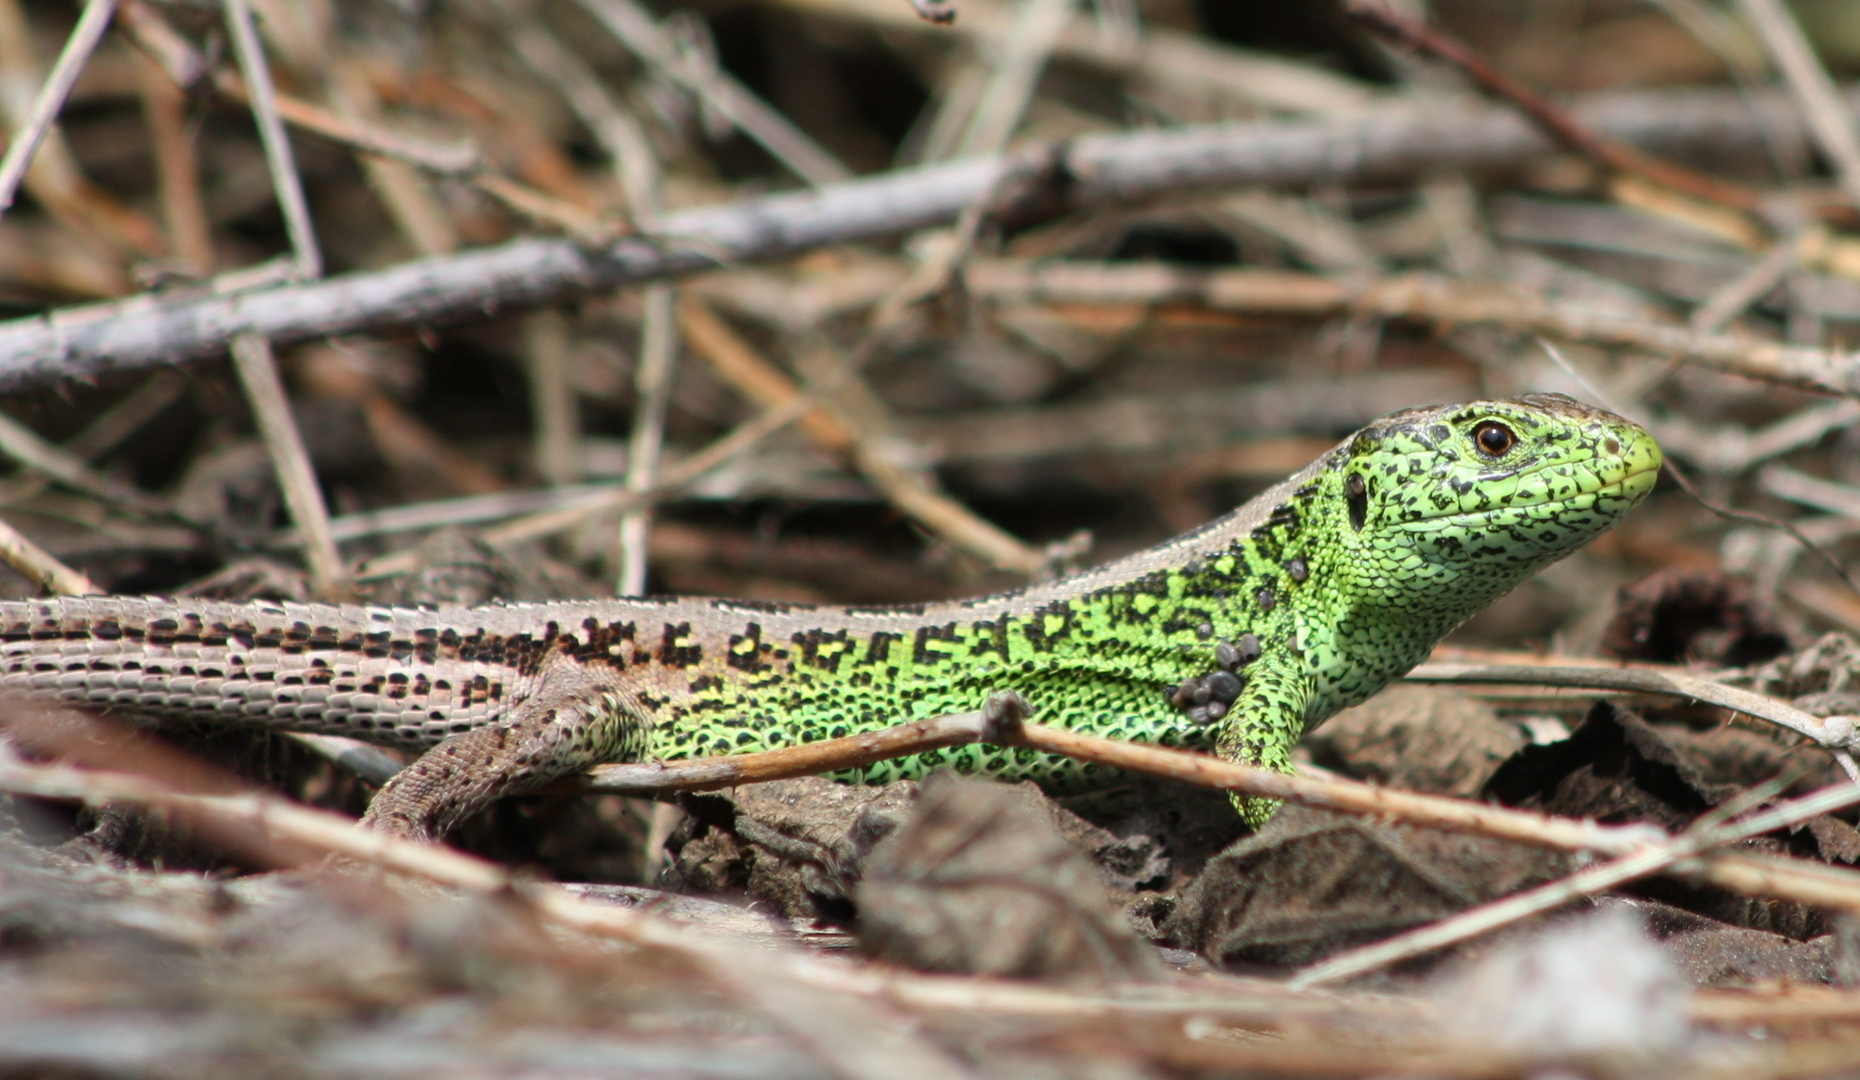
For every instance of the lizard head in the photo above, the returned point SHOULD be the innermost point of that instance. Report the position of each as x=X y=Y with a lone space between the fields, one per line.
x=1451 y=506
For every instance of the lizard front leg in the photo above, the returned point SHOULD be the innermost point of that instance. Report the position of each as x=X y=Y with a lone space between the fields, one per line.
x=1265 y=724
x=576 y=716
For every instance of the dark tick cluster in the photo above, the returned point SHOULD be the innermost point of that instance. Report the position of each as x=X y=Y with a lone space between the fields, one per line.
x=1210 y=697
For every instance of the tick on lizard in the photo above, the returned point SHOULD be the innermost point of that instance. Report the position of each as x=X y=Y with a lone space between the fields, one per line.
x=1234 y=639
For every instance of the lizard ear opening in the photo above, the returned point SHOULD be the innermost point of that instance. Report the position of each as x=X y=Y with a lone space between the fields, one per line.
x=1356 y=497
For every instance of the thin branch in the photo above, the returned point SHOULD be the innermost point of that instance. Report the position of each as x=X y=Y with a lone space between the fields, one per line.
x=405 y=194
x=271 y=411
x=652 y=389
x=103 y=433
x=999 y=722
x=1836 y=733
x=1023 y=51
x=78 y=47
x=613 y=499
x=635 y=27
x=1786 y=483
x=1731 y=449
x=459 y=160
x=1332 y=793
x=41 y=567
x=1828 y=116
x=555 y=418
x=1190 y=64
x=1511 y=909
x=858 y=412
x=177 y=170
x=442 y=513
x=1730 y=301
x=636 y=169
x=95 y=340
x=629 y=150
x=284 y=178
x=1553 y=119
x=1421 y=298
x=24 y=445
x=750 y=373
x=831 y=755
x=1808 y=883
x=369 y=763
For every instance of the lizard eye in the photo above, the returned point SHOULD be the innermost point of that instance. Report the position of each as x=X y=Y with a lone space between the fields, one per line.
x=1493 y=439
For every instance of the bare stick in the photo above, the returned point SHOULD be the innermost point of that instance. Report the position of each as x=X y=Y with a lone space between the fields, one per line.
x=1750 y=286
x=808 y=759
x=753 y=376
x=494 y=505
x=1023 y=50
x=284 y=178
x=177 y=170
x=858 y=412
x=636 y=28
x=404 y=193
x=652 y=389
x=78 y=47
x=1828 y=116
x=1511 y=909
x=271 y=411
x=1554 y=120
x=1834 y=733
x=1807 y=883
x=614 y=499
x=368 y=762
x=24 y=445
x=1752 y=874
x=1785 y=483
x=628 y=148
x=555 y=420
x=102 y=434
x=459 y=159
x=95 y=340
x=1347 y=796
x=1000 y=722
x=41 y=567
x=636 y=169
x=1418 y=297
x=1190 y=63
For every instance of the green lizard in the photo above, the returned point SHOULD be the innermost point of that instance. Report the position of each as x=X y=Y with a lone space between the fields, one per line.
x=1235 y=638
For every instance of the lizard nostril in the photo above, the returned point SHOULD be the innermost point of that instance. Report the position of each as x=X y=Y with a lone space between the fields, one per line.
x=1613 y=446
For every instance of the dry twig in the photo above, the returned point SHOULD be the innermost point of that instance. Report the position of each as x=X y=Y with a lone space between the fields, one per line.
x=40 y=567
x=307 y=260
x=87 y=342
x=271 y=411
x=1690 y=844
x=28 y=136
x=1836 y=734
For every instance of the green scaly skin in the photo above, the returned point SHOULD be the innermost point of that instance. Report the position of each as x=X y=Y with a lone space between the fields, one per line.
x=1236 y=638
x=1445 y=529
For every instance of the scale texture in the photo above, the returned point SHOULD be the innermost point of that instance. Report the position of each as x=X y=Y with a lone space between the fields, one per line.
x=1235 y=638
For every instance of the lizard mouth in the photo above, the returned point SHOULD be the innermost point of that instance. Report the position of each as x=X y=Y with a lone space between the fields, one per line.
x=1632 y=485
